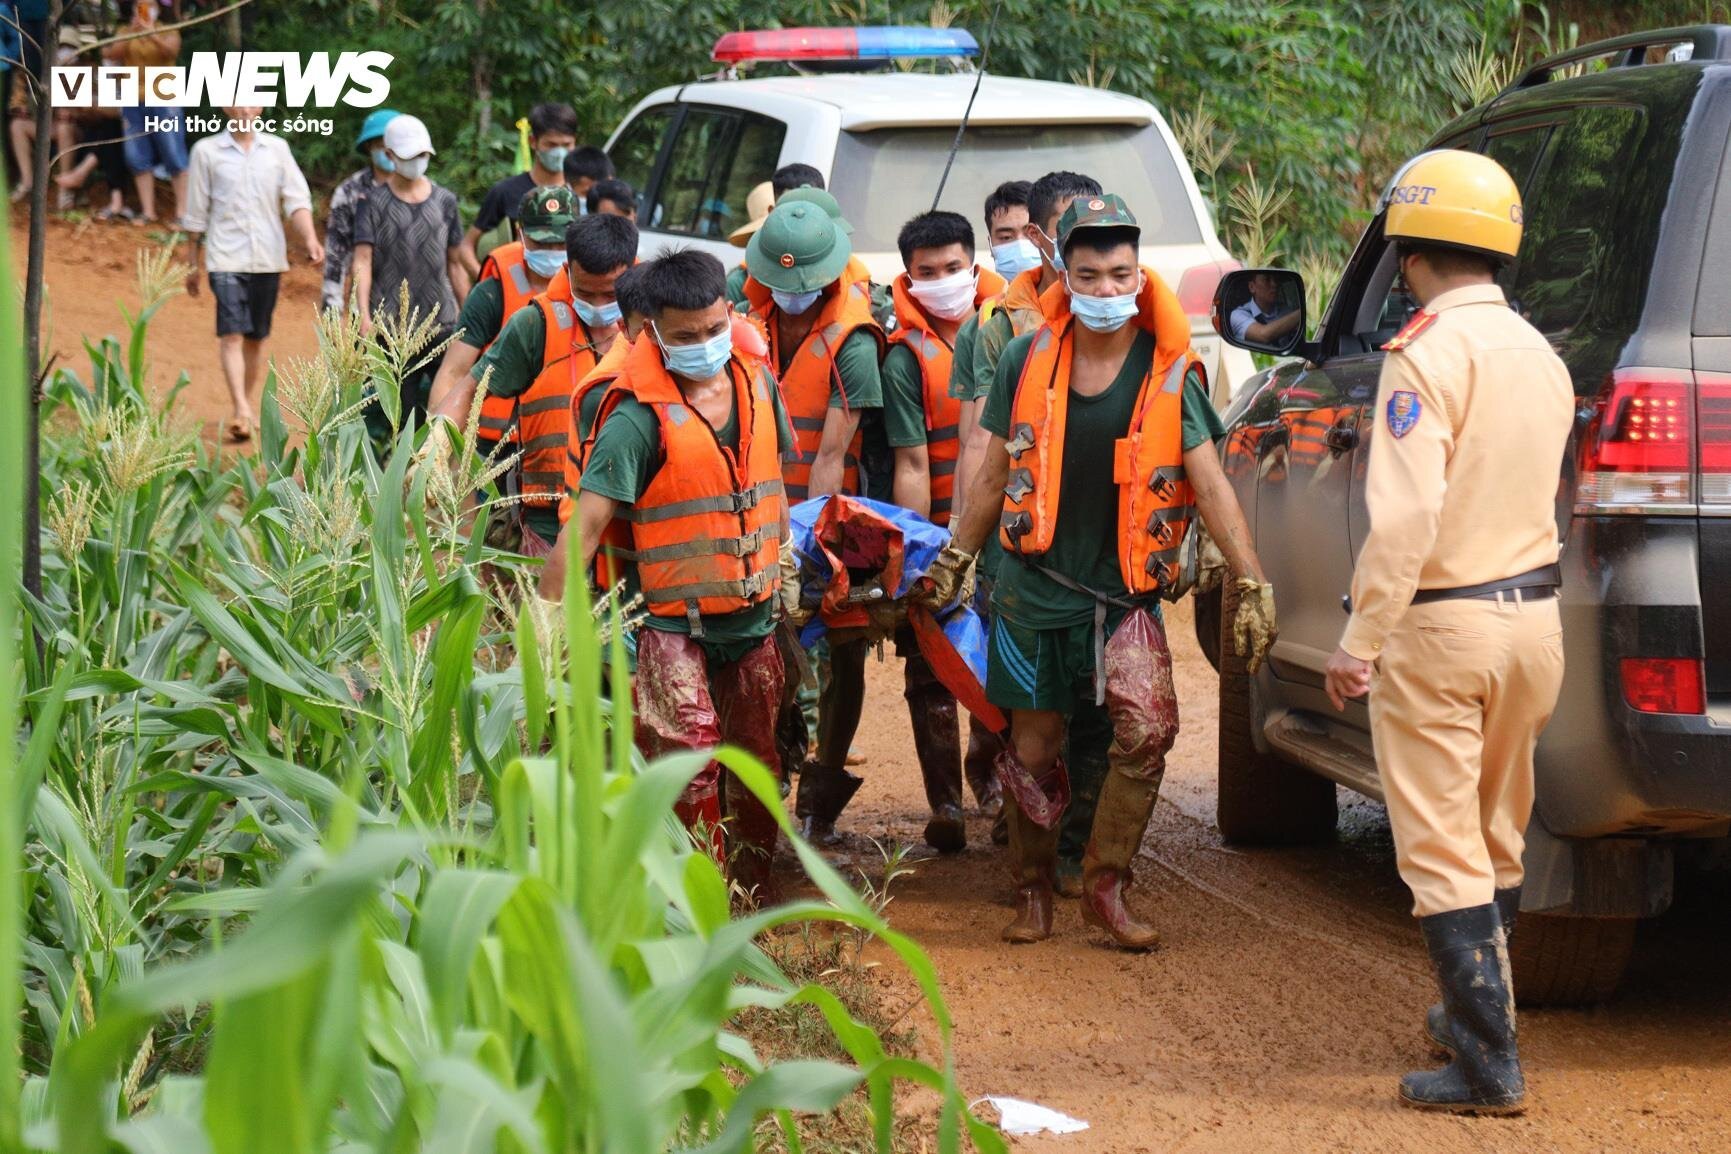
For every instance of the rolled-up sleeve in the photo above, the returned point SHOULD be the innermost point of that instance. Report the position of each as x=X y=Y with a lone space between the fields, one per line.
x=295 y=194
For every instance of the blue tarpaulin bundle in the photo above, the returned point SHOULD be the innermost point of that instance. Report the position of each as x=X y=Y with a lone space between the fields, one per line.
x=853 y=550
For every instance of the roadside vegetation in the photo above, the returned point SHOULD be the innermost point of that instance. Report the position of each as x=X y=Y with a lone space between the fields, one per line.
x=328 y=842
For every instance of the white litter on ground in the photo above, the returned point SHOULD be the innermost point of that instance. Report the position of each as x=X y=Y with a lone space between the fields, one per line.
x=1018 y=1117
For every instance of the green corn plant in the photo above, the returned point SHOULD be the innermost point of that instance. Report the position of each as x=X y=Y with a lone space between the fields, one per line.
x=13 y=395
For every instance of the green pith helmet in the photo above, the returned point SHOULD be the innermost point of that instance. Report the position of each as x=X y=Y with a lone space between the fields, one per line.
x=1107 y=210
x=806 y=194
x=544 y=213
x=798 y=249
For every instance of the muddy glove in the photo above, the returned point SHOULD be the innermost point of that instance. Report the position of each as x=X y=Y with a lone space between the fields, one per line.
x=792 y=611
x=1210 y=562
x=950 y=578
x=1253 y=628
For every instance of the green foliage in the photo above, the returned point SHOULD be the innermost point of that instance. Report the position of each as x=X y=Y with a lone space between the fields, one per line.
x=305 y=866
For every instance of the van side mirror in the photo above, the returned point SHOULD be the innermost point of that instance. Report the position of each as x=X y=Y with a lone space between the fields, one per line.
x=1261 y=309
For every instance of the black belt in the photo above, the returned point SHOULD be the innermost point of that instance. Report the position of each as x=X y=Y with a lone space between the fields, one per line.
x=1534 y=585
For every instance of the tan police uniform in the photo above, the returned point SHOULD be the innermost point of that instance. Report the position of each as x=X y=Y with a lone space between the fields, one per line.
x=1475 y=410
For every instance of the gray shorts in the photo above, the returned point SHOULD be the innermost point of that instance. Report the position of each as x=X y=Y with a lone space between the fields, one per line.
x=244 y=302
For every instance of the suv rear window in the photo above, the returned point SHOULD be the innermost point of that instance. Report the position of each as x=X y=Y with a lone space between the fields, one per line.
x=1572 y=215
x=883 y=178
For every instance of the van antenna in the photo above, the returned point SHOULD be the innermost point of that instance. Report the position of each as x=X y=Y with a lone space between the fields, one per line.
x=956 y=144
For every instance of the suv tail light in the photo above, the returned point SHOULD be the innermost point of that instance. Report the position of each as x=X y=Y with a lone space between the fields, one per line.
x=1663 y=684
x=1638 y=452
x=1196 y=287
x=1713 y=419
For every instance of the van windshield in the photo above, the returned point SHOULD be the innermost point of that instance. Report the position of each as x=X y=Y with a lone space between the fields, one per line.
x=884 y=177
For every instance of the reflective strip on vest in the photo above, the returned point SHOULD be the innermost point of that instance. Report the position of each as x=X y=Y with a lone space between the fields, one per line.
x=728 y=503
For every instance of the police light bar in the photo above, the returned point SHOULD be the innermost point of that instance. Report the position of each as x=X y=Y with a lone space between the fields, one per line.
x=791 y=44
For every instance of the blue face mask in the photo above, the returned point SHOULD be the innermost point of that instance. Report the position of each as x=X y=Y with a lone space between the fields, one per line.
x=552 y=159
x=597 y=316
x=795 y=303
x=382 y=161
x=545 y=262
x=1102 y=314
x=697 y=362
x=1057 y=257
x=1016 y=257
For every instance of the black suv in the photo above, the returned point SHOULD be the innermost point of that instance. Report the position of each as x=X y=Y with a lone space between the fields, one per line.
x=1620 y=151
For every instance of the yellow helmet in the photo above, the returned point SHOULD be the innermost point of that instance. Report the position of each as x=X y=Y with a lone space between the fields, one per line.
x=1457 y=199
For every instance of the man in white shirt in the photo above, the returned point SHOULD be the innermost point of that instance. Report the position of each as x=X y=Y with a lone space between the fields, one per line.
x=241 y=185
x=1263 y=319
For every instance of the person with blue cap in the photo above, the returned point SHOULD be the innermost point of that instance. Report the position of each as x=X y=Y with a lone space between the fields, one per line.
x=340 y=225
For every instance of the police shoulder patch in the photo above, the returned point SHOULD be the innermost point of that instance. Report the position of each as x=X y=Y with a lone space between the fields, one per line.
x=1404 y=410
x=1415 y=328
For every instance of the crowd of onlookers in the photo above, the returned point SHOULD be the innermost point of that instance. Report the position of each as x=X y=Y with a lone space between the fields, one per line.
x=131 y=149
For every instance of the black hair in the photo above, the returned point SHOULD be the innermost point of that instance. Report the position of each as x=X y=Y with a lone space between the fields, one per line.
x=1101 y=239
x=628 y=291
x=1010 y=194
x=1045 y=193
x=686 y=278
x=1446 y=260
x=935 y=230
x=552 y=117
x=612 y=189
x=601 y=243
x=587 y=161
x=791 y=176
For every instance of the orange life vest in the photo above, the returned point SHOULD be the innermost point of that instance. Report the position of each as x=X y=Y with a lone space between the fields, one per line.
x=706 y=532
x=811 y=371
x=1021 y=299
x=1155 y=501
x=506 y=265
x=543 y=414
x=936 y=357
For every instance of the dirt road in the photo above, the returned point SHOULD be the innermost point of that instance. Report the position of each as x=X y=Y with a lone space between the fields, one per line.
x=1289 y=991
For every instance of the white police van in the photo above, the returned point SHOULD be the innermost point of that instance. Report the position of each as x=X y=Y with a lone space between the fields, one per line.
x=881 y=137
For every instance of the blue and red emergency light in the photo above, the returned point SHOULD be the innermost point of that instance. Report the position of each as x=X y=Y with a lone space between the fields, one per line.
x=793 y=44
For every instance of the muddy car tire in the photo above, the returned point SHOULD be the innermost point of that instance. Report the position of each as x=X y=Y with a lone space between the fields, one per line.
x=1564 y=961
x=1262 y=800
x=1206 y=611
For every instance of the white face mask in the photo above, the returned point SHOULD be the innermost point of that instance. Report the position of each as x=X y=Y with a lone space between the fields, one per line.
x=948 y=297
x=413 y=168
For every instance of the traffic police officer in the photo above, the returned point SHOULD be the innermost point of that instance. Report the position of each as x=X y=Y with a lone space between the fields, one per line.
x=1454 y=608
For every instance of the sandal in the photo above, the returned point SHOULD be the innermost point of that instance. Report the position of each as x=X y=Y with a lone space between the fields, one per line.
x=114 y=214
x=240 y=430
x=143 y=221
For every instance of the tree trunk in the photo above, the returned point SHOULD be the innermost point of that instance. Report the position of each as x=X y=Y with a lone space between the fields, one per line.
x=232 y=26
x=35 y=271
x=481 y=73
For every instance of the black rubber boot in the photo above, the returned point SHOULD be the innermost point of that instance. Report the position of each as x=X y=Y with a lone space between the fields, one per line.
x=932 y=713
x=1436 y=1019
x=824 y=792
x=1471 y=958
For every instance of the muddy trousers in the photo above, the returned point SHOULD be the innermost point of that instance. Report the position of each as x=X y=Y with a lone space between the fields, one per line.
x=932 y=713
x=684 y=700
x=1460 y=694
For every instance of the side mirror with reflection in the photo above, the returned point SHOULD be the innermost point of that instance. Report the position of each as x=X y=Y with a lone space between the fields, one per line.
x=1261 y=309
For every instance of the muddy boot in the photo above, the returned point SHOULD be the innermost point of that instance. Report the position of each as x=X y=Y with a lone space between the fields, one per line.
x=824 y=792
x=790 y=743
x=1436 y=1019
x=1471 y=958
x=699 y=811
x=1031 y=850
x=932 y=711
x=1086 y=752
x=751 y=837
x=1126 y=803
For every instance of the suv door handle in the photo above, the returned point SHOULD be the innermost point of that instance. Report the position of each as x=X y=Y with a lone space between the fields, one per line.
x=1342 y=438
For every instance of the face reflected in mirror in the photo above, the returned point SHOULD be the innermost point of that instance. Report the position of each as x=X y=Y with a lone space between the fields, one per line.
x=1262 y=310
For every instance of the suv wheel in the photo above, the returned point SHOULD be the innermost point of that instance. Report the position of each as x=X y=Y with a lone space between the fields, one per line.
x=1262 y=800
x=1564 y=961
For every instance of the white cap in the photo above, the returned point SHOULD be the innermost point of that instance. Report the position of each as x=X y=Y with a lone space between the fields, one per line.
x=407 y=137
